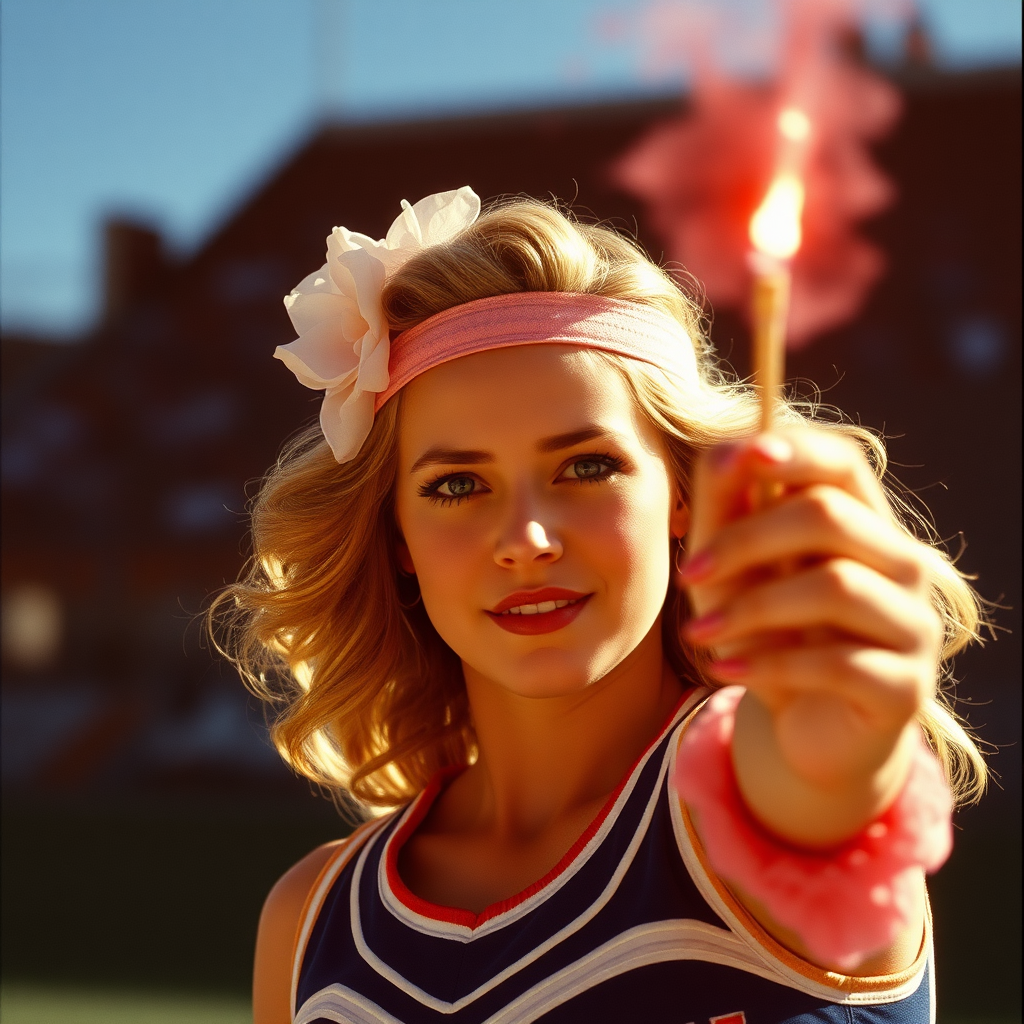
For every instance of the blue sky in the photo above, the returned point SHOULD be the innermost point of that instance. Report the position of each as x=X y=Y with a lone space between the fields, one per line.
x=173 y=110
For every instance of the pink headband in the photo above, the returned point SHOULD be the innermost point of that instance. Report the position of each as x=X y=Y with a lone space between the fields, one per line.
x=538 y=318
x=344 y=346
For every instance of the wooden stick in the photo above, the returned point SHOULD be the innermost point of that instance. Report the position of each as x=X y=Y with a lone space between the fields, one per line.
x=771 y=306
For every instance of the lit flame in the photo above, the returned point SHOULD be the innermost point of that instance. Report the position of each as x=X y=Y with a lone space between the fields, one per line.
x=794 y=124
x=775 y=226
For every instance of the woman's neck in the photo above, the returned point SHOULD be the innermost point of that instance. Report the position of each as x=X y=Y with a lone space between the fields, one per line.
x=547 y=762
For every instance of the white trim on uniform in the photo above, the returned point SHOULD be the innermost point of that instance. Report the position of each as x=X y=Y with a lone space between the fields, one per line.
x=341 y=1004
x=320 y=894
x=652 y=943
x=780 y=972
x=444 y=1006
x=460 y=932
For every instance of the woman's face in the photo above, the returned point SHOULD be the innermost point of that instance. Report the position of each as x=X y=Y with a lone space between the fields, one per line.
x=537 y=509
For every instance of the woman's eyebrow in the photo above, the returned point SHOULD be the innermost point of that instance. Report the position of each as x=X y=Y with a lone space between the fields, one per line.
x=446 y=456
x=439 y=456
x=557 y=442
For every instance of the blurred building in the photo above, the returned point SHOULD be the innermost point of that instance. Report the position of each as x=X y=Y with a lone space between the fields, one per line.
x=128 y=457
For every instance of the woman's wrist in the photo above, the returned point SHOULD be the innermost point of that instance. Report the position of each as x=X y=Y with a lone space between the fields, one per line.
x=845 y=903
x=816 y=813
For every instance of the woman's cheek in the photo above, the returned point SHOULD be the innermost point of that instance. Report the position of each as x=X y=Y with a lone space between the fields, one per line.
x=644 y=546
x=447 y=563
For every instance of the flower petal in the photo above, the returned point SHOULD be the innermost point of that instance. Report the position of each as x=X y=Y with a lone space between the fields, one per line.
x=404 y=232
x=445 y=214
x=343 y=344
x=362 y=276
x=322 y=357
x=306 y=311
x=393 y=259
x=342 y=240
x=315 y=283
x=345 y=418
x=373 y=364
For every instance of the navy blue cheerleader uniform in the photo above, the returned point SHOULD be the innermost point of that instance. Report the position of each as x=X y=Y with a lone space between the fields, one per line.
x=631 y=925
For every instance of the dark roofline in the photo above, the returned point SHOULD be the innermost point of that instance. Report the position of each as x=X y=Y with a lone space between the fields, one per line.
x=332 y=132
x=461 y=123
x=939 y=81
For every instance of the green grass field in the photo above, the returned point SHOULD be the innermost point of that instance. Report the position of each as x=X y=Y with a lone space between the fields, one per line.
x=25 y=1004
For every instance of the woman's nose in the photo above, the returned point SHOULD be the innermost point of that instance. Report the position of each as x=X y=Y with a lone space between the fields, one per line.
x=527 y=542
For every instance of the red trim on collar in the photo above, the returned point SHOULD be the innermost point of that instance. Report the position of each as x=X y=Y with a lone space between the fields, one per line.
x=466 y=918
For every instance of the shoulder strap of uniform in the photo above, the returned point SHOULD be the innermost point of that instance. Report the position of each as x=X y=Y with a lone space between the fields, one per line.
x=339 y=857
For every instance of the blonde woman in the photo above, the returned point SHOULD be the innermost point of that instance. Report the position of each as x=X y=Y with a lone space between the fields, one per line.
x=636 y=744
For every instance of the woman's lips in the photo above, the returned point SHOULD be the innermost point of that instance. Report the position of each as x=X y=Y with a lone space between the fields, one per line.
x=542 y=611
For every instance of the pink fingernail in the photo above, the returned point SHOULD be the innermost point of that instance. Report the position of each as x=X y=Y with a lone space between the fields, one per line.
x=730 y=668
x=706 y=626
x=723 y=455
x=698 y=567
x=772 y=449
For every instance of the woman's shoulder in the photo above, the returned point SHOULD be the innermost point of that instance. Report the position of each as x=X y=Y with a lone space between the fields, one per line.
x=286 y=899
x=279 y=924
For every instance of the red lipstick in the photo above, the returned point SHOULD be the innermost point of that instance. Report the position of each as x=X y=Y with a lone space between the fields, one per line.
x=519 y=612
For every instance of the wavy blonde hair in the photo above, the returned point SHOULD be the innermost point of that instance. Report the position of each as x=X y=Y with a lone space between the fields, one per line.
x=367 y=699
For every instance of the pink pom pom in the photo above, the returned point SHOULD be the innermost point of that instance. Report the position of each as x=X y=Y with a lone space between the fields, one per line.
x=845 y=903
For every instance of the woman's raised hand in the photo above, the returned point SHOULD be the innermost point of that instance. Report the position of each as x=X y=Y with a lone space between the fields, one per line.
x=818 y=602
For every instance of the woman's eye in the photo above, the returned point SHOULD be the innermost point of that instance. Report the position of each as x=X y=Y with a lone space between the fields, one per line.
x=451 y=489
x=593 y=467
x=456 y=486
x=586 y=469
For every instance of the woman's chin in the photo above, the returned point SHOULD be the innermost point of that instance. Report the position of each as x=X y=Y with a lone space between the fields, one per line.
x=544 y=675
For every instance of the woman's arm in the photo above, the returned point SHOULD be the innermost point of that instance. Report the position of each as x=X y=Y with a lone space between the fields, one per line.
x=275 y=937
x=818 y=603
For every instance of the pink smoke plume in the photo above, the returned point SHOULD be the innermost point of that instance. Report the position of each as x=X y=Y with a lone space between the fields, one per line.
x=703 y=175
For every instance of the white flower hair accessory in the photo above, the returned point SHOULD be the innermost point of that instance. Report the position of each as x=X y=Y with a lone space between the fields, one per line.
x=343 y=344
